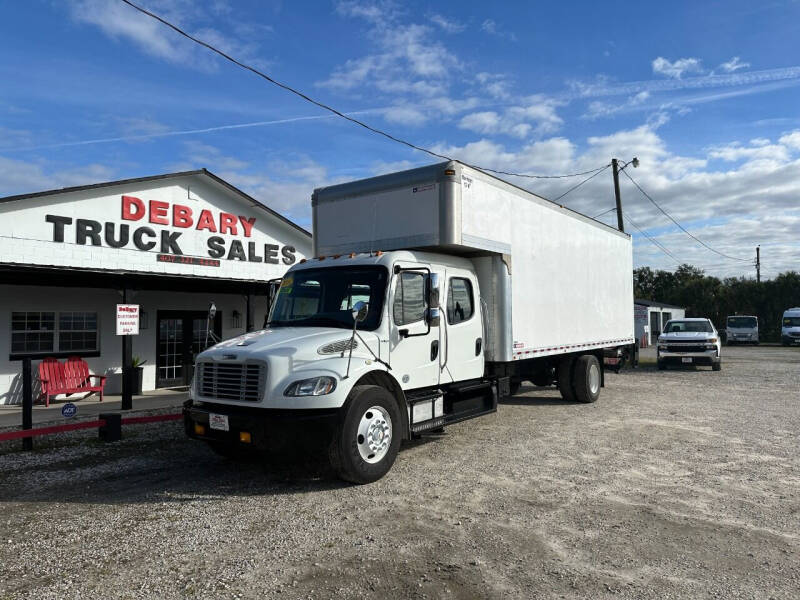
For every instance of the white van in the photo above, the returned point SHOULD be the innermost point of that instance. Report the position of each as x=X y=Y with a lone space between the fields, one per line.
x=790 y=326
x=742 y=329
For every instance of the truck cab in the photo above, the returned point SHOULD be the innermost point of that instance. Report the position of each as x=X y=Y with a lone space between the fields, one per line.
x=402 y=332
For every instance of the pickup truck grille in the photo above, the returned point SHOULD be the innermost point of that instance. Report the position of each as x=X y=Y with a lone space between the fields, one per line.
x=231 y=381
x=685 y=348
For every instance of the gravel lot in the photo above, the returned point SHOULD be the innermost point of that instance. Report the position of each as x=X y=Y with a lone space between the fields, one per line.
x=675 y=484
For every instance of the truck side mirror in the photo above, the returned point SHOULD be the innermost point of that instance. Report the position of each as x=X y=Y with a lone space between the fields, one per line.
x=360 y=310
x=432 y=290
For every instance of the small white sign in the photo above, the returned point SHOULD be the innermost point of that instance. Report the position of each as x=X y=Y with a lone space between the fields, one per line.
x=127 y=319
x=219 y=422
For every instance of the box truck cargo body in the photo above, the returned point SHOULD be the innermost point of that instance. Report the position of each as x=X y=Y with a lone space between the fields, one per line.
x=433 y=292
x=553 y=280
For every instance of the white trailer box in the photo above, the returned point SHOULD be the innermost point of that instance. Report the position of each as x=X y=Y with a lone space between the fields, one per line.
x=553 y=280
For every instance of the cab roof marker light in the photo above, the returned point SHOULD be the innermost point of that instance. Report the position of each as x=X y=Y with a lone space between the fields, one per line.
x=352 y=255
x=449 y=171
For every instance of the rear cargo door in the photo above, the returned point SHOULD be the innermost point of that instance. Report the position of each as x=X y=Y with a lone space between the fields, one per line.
x=462 y=317
x=413 y=345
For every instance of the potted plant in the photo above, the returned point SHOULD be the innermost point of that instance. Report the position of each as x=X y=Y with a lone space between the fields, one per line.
x=138 y=372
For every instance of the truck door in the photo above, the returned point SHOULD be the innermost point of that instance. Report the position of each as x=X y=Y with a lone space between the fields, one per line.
x=413 y=344
x=464 y=343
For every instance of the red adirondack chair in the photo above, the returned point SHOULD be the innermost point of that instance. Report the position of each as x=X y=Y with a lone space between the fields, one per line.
x=69 y=377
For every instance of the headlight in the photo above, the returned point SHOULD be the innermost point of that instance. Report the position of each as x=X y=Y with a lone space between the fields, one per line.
x=316 y=386
x=712 y=341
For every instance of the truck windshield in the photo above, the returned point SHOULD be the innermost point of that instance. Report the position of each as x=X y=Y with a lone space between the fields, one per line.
x=743 y=322
x=791 y=321
x=688 y=326
x=325 y=297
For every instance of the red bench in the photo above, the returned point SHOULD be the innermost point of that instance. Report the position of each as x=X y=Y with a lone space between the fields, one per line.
x=70 y=377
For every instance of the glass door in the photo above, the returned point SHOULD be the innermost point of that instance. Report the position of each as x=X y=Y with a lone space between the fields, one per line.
x=182 y=335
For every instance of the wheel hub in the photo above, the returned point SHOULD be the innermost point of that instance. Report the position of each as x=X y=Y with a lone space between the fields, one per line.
x=374 y=434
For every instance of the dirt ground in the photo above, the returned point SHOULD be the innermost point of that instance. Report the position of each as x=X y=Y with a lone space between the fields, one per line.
x=676 y=484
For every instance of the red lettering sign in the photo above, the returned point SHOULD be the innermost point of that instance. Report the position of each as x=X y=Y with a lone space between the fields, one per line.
x=158 y=212
x=247 y=225
x=181 y=216
x=227 y=222
x=132 y=208
x=206 y=221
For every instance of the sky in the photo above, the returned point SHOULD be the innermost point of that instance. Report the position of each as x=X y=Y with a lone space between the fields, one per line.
x=705 y=94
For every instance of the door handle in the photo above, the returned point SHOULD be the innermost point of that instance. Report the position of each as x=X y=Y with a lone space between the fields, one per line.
x=434 y=349
x=478 y=346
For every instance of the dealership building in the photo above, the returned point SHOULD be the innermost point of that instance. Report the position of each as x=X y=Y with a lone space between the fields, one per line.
x=172 y=244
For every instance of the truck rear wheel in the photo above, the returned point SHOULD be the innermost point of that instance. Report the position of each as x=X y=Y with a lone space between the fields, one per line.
x=587 y=378
x=366 y=443
x=565 y=371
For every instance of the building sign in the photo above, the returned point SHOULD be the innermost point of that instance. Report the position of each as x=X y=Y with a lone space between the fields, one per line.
x=127 y=319
x=226 y=234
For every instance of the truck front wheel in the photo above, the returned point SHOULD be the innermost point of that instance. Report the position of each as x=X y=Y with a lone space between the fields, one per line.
x=587 y=377
x=366 y=443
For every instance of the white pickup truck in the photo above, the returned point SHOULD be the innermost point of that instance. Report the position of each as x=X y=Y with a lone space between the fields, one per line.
x=687 y=342
x=433 y=293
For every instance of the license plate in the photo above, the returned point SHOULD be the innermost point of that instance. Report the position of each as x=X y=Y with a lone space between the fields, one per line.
x=686 y=359
x=219 y=422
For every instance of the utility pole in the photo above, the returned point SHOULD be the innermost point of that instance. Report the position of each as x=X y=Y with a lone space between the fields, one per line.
x=758 y=264
x=615 y=169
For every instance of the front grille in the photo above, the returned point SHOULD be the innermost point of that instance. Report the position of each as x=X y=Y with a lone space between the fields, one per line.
x=686 y=348
x=231 y=381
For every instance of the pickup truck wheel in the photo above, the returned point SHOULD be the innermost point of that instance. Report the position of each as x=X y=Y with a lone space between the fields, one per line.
x=587 y=378
x=565 y=371
x=717 y=366
x=368 y=438
x=660 y=365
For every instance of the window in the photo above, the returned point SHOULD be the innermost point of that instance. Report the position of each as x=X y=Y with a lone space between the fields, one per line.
x=32 y=331
x=325 y=297
x=77 y=331
x=460 y=306
x=42 y=333
x=409 y=298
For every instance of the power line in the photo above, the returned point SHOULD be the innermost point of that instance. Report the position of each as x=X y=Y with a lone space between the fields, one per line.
x=605 y=212
x=653 y=241
x=681 y=227
x=575 y=187
x=337 y=112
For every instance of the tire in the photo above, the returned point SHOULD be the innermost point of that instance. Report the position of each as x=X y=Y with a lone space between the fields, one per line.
x=565 y=370
x=661 y=365
x=717 y=366
x=587 y=377
x=359 y=452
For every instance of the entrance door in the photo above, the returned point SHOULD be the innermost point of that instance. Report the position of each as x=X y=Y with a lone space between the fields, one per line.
x=181 y=337
x=655 y=327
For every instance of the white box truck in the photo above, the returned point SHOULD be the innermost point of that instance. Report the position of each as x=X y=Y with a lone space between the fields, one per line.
x=433 y=292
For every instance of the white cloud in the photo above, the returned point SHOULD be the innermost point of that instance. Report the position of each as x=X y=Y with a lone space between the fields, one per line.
x=536 y=116
x=491 y=27
x=675 y=70
x=22 y=177
x=734 y=64
x=448 y=25
x=119 y=21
